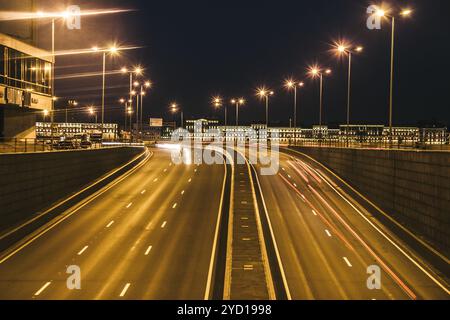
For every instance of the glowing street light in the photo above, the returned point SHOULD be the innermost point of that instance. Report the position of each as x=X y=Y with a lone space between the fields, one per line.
x=175 y=108
x=265 y=94
x=291 y=84
x=315 y=72
x=238 y=102
x=217 y=102
x=385 y=14
x=344 y=49
x=140 y=100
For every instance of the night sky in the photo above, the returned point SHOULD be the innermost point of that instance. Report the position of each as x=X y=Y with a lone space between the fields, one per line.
x=193 y=50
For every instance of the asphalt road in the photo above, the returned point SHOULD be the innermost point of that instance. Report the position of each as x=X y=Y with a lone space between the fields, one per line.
x=149 y=237
x=327 y=242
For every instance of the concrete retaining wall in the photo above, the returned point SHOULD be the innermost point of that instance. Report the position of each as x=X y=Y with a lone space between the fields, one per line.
x=32 y=182
x=412 y=186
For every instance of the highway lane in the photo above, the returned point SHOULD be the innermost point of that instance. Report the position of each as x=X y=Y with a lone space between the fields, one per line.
x=326 y=245
x=148 y=237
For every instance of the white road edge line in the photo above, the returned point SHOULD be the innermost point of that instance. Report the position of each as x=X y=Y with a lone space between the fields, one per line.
x=280 y=263
x=347 y=262
x=83 y=250
x=125 y=289
x=43 y=288
x=207 y=295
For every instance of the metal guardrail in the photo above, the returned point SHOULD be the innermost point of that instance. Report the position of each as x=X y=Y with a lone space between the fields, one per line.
x=29 y=145
x=406 y=145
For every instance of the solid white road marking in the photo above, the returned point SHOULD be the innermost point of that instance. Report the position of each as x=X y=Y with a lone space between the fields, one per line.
x=347 y=262
x=328 y=233
x=42 y=289
x=110 y=224
x=148 y=250
x=163 y=225
x=83 y=250
x=129 y=205
x=125 y=289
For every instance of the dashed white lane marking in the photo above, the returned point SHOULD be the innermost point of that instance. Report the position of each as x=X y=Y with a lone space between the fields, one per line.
x=110 y=224
x=156 y=179
x=42 y=289
x=125 y=289
x=165 y=170
x=163 y=225
x=195 y=170
x=295 y=185
x=174 y=206
x=190 y=180
x=283 y=169
x=129 y=205
x=143 y=191
x=347 y=262
x=83 y=250
x=314 y=213
x=182 y=192
x=328 y=233
x=148 y=250
x=289 y=176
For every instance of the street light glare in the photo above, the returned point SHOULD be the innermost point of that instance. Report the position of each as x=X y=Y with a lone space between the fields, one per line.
x=359 y=49
x=148 y=84
x=124 y=70
x=406 y=12
x=328 y=71
x=381 y=13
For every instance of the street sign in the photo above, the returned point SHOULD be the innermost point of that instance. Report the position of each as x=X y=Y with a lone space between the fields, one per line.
x=156 y=122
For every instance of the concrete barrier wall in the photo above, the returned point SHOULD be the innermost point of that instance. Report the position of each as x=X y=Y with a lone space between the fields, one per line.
x=32 y=182
x=412 y=186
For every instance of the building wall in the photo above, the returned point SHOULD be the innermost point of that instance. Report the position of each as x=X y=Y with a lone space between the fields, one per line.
x=32 y=182
x=412 y=186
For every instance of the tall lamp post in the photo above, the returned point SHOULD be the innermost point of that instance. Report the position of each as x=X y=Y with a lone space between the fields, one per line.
x=174 y=108
x=383 y=13
x=318 y=72
x=238 y=102
x=265 y=94
x=343 y=49
x=217 y=102
x=112 y=50
x=291 y=84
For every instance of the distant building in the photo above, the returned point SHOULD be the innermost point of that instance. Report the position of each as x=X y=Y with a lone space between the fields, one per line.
x=76 y=130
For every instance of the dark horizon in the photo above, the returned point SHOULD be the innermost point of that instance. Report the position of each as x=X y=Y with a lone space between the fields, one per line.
x=197 y=50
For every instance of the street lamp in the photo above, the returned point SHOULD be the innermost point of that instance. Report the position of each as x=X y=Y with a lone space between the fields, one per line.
x=174 y=108
x=315 y=72
x=93 y=113
x=71 y=103
x=217 y=102
x=112 y=50
x=344 y=49
x=238 y=102
x=264 y=93
x=137 y=71
x=291 y=84
x=385 y=14
x=145 y=85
